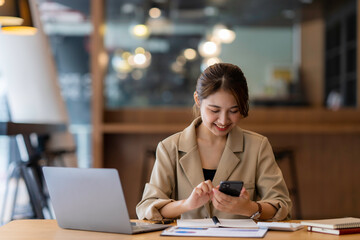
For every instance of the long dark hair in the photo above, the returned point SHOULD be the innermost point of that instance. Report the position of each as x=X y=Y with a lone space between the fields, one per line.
x=224 y=76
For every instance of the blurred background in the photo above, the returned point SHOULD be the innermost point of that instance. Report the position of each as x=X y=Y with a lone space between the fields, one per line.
x=119 y=76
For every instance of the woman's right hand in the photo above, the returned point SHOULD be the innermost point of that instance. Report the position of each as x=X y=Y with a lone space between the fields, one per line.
x=201 y=194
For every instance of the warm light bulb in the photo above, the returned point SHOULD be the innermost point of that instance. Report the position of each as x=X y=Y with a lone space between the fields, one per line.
x=190 y=54
x=140 y=50
x=209 y=48
x=125 y=55
x=19 y=30
x=224 y=34
x=10 y=21
x=139 y=58
x=2 y=2
x=120 y=63
x=154 y=12
x=141 y=31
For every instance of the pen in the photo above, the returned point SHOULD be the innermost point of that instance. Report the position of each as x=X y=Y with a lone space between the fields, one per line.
x=216 y=220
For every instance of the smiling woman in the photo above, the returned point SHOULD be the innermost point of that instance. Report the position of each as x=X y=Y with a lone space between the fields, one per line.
x=214 y=142
x=219 y=112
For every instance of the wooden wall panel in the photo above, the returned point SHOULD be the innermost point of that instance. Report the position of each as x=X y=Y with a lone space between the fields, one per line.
x=127 y=153
x=327 y=166
x=326 y=143
x=358 y=55
x=98 y=66
x=312 y=53
x=328 y=173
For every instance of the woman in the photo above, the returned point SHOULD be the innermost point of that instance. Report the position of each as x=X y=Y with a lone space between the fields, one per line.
x=190 y=164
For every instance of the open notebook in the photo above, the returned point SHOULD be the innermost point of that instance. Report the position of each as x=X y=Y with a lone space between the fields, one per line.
x=209 y=223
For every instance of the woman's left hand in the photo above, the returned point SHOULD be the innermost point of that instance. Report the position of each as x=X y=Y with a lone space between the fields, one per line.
x=235 y=205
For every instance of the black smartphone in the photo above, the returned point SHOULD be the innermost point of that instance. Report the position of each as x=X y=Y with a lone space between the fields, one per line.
x=232 y=188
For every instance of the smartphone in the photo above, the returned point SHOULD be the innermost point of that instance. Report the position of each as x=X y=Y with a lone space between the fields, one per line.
x=232 y=188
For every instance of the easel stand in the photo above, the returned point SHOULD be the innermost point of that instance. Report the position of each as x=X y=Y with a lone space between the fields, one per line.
x=26 y=165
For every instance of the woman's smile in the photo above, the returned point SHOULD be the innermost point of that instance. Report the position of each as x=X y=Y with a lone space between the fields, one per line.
x=222 y=127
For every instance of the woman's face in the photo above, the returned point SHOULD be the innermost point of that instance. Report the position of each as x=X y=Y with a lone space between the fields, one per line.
x=219 y=112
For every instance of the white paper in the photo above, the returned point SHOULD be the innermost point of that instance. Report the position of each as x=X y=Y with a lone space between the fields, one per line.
x=214 y=232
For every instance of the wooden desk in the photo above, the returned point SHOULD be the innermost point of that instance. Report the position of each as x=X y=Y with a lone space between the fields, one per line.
x=48 y=229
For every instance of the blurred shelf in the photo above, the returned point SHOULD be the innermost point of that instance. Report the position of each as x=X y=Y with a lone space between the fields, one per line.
x=68 y=28
x=263 y=128
x=274 y=120
x=127 y=128
x=279 y=102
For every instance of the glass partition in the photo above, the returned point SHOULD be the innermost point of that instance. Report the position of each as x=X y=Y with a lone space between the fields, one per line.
x=67 y=24
x=157 y=49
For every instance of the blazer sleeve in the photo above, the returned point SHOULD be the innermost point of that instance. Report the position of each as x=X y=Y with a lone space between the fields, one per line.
x=161 y=188
x=270 y=184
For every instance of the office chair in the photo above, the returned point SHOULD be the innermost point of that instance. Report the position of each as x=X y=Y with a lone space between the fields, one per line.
x=147 y=165
x=285 y=158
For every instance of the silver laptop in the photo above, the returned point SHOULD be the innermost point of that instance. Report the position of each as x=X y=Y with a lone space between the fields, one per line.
x=91 y=199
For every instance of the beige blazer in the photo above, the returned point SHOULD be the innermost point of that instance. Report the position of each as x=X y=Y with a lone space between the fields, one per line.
x=247 y=156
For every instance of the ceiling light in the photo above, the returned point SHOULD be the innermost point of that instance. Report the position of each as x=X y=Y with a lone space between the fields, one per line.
x=224 y=34
x=119 y=62
x=140 y=59
x=125 y=55
x=140 y=50
x=10 y=21
x=154 y=12
x=15 y=17
x=190 y=54
x=19 y=30
x=140 y=30
x=209 y=48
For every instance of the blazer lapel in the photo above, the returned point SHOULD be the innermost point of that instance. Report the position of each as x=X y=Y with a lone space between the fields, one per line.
x=192 y=167
x=190 y=162
x=229 y=161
